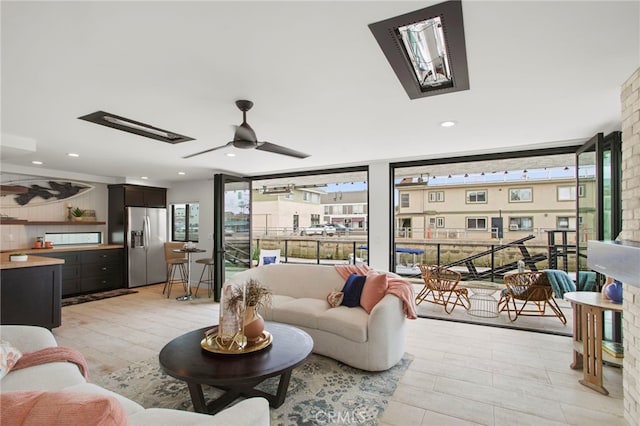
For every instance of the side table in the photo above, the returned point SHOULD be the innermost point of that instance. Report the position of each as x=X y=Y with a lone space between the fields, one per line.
x=588 y=309
x=481 y=301
x=189 y=252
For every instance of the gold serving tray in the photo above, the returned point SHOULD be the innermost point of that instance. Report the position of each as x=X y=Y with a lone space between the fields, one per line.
x=209 y=344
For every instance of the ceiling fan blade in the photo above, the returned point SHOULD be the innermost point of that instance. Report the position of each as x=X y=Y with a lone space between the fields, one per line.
x=277 y=149
x=209 y=150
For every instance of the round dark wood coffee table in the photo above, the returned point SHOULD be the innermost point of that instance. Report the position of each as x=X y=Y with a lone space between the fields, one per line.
x=237 y=374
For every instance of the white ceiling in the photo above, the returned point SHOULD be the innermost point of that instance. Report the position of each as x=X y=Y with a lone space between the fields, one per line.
x=541 y=74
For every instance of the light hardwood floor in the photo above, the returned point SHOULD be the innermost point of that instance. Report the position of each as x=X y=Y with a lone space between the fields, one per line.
x=461 y=374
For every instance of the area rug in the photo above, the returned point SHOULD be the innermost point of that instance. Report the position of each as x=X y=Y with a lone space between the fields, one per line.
x=96 y=296
x=321 y=391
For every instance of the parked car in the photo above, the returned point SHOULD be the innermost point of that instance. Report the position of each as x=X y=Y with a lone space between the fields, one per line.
x=340 y=228
x=323 y=229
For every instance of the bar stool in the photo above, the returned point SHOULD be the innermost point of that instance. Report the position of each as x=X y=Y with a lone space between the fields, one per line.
x=176 y=264
x=206 y=276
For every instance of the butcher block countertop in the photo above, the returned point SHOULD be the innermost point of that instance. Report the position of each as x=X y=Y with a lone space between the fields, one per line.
x=32 y=261
x=79 y=247
x=37 y=257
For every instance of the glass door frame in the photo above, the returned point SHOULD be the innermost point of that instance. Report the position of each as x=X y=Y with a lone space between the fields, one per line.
x=220 y=182
x=599 y=144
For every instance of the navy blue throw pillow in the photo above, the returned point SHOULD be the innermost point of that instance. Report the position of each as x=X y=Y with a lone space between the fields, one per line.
x=353 y=290
x=268 y=260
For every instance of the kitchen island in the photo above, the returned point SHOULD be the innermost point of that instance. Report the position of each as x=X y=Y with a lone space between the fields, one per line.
x=31 y=291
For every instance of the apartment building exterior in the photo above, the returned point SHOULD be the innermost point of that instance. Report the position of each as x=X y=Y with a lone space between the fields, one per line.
x=500 y=205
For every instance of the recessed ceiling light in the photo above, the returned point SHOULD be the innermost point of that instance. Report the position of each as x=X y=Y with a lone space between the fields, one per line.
x=181 y=173
x=230 y=154
x=143 y=177
x=36 y=162
x=73 y=154
x=448 y=123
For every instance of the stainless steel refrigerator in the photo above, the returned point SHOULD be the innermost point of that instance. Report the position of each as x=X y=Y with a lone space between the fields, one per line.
x=146 y=234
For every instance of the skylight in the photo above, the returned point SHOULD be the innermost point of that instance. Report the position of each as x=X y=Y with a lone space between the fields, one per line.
x=426 y=49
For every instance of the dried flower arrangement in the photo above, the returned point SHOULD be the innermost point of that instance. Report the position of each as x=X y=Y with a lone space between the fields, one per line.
x=253 y=293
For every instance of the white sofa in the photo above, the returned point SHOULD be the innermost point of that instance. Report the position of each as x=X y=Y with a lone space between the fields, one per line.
x=67 y=376
x=372 y=342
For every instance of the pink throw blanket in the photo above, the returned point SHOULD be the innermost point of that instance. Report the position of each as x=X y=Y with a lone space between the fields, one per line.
x=53 y=354
x=399 y=287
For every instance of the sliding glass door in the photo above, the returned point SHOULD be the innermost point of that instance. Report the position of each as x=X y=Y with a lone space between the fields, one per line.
x=232 y=227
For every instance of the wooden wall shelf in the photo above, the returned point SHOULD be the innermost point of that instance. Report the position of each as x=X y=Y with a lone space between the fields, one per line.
x=47 y=222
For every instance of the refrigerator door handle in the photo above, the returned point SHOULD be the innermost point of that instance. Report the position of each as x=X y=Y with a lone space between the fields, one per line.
x=146 y=226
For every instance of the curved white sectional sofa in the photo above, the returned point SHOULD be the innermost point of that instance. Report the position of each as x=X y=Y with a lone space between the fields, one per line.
x=59 y=376
x=372 y=342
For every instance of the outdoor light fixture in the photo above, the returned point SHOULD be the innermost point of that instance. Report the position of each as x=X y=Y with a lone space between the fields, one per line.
x=426 y=49
x=278 y=190
x=136 y=127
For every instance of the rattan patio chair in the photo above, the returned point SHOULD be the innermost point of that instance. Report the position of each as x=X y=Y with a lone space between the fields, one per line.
x=440 y=287
x=529 y=294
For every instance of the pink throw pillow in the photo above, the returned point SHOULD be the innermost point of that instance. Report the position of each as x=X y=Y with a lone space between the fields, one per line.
x=32 y=408
x=375 y=287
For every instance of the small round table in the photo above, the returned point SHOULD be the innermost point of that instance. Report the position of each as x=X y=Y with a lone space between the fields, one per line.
x=237 y=374
x=481 y=301
x=189 y=251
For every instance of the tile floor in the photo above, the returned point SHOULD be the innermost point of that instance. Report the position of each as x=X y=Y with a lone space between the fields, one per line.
x=462 y=374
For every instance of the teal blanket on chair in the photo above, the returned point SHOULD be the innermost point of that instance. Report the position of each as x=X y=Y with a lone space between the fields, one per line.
x=560 y=281
x=586 y=281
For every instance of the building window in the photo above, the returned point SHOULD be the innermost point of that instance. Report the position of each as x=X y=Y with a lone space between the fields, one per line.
x=476 y=197
x=404 y=200
x=476 y=223
x=520 y=195
x=436 y=196
x=520 y=223
x=439 y=222
x=185 y=221
x=568 y=193
x=566 y=222
x=315 y=219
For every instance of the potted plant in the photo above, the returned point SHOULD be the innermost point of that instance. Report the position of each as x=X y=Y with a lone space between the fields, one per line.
x=248 y=299
x=77 y=214
x=18 y=257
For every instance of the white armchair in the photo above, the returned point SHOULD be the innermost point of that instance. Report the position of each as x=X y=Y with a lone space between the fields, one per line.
x=269 y=257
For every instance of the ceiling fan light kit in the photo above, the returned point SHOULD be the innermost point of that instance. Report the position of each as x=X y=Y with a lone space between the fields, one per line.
x=245 y=138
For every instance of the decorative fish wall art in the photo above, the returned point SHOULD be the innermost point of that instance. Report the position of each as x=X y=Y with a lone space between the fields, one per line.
x=39 y=192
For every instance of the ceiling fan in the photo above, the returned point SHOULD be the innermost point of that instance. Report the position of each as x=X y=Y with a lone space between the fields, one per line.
x=245 y=138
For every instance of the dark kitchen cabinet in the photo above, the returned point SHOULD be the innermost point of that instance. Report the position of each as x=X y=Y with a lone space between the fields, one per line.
x=91 y=270
x=31 y=296
x=126 y=195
